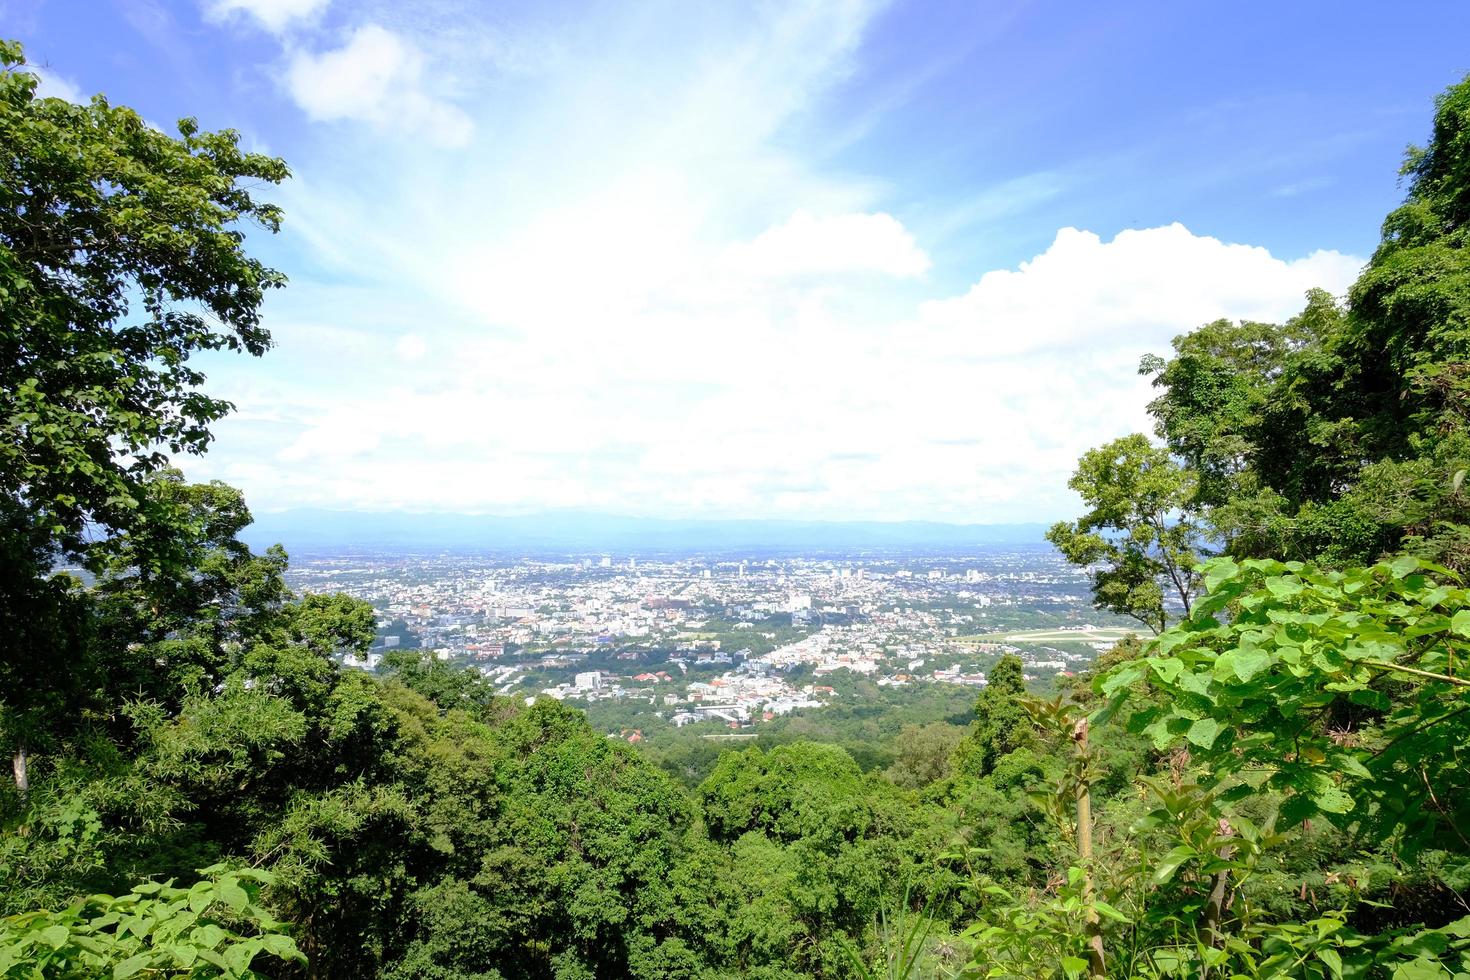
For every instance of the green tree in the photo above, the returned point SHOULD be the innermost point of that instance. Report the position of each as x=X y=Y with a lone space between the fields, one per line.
x=121 y=256
x=923 y=753
x=1001 y=723
x=1341 y=435
x=1141 y=527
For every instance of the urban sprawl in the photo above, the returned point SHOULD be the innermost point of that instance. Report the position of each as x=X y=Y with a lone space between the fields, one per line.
x=740 y=640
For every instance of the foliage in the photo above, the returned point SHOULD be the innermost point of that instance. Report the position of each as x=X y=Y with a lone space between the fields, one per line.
x=1335 y=689
x=1292 y=700
x=120 y=257
x=1139 y=527
x=156 y=929
x=922 y=753
x=1001 y=723
x=1276 y=786
x=1338 y=436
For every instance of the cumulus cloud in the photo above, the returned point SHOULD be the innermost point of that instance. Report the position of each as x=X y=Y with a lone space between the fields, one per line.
x=273 y=15
x=808 y=245
x=973 y=407
x=643 y=297
x=376 y=77
x=1141 y=287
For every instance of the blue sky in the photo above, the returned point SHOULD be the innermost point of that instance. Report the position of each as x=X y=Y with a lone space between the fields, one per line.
x=825 y=259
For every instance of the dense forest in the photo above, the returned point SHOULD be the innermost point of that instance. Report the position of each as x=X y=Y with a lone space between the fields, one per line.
x=1276 y=785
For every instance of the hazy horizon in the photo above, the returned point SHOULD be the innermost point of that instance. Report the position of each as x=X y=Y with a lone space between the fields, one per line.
x=568 y=531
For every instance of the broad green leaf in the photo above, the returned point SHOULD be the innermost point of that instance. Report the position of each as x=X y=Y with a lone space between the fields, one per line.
x=285 y=946
x=1349 y=764
x=131 y=966
x=1218 y=571
x=1204 y=732
x=1460 y=623
x=1403 y=566
x=1167 y=668
x=1250 y=661
x=1171 y=862
x=238 y=956
x=1420 y=969
x=232 y=894
x=1121 y=678
x=1159 y=733
x=1333 y=800
x=1283 y=588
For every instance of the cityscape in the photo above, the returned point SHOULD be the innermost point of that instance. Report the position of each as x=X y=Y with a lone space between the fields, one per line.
x=735 y=640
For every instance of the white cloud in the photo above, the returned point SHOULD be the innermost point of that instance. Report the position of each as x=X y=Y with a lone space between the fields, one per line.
x=808 y=245
x=776 y=400
x=338 y=436
x=274 y=15
x=376 y=77
x=410 y=347
x=642 y=296
x=54 y=86
x=1142 y=287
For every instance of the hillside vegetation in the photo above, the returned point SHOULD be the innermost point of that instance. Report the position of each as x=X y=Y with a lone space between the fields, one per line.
x=1275 y=784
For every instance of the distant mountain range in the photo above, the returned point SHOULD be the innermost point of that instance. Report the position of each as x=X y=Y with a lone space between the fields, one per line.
x=314 y=531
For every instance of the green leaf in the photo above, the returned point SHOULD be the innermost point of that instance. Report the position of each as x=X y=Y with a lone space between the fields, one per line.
x=1167 y=668
x=282 y=946
x=1204 y=732
x=1158 y=732
x=1250 y=661
x=1121 y=678
x=1348 y=764
x=1283 y=588
x=1403 y=566
x=1333 y=961
x=1332 y=800
x=1421 y=969
x=1073 y=967
x=1218 y=571
x=131 y=965
x=238 y=957
x=1170 y=863
x=1460 y=623
x=232 y=894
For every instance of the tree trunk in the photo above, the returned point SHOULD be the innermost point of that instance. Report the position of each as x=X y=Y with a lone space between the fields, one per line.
x=1095 y=966
x=19 y=766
